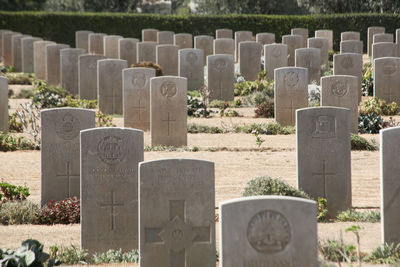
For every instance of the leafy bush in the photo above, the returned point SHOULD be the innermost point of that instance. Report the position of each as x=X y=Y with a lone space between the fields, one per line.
x=360 y=143
x=18 y=212
x=22 y=79
x=367 y=82
x=314 y=95
x=372 y=216
x=74 y=102
x=9 y=192
x=229 y=113
x=265 y=109
x=337 y=250
x=47 y=96
x=24 y=94
x=11 y=143
x=70 y=255
x=385 y=254
x=379 y=107
x=248 y=87
x=14 y=124
x=116 y=256
x=195 y=128
x=266 y=128
x=66 y=211
x=322 y=210
x=370 y=123
x=149 y=64
x=103 y=120
x=196 y=108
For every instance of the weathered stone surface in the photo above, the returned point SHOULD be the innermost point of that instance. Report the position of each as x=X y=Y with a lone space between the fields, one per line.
x=387 y=79
x=7 y=47
x=165 y=37
x=136 y=97
x=87 y=76
x=241 y=36
x=349 y=64
x=342 y=91
x=398 y=41
x=191 y=67
x=111 y=46
x=291 y=93
x=96 y=43
x=82 y=40
x=17 y=51
x=109 y=85
x=168 y=119
x=127 y=50
x=265 y=38
x=3 y=104
x=293 y=42
x=205 y=43
x=383 y=50
x=60 y=129
x=275 y=56
x=149 y=35
x=310 y=59
x=167 y=58
x=350 y=36
x=323 y=155
x=1 y=42
x=27 y=53
x=39 y=58
x=303 y=32
x=323 y=45
x=371 y=32
x=221 y=76
x=109 y=198
x=326 y=34
x=223 y=33
x=146 y=51
x=53 y=65
x=351 y=47
x=268 y=231
x=69 y=69
x=183 y=40
x=224 y=46
x=383 y=38
x=177 y=213
x=250 y=60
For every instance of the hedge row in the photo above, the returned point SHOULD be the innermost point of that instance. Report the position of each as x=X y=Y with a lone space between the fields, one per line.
x=61 y=27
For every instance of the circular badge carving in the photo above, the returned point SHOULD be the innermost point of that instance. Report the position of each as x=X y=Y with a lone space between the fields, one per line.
x=268 y=232
x=139 y=79
x=347 y=62
x=339 y=88
x=111 y=149
x=68 y=128
x=93 y=65
x=276 y=51
x=389 y=68
x=168 y=89
x=220 y=65
x=291 y=79
x=191 y=57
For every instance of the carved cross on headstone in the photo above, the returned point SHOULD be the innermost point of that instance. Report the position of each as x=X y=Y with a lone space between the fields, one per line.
x=324 y=175
x=292 y=109
x=388 y=93
x=68 y=175
x=168 y=121
x=112 y=205
x=140 y=108
x=178 y=234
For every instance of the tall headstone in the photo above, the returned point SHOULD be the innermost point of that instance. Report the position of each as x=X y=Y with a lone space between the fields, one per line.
x=323 y=155
x=87 y=76
x=39 y=58
x=109 y=193
x=303 y=32
x=351 y=47
x=168 y=119
x=1 y=42
x=250 y=60
x=349 y=64
x=109 y=85
x=310 y=59
x=96 y=43
x=149 y=35
x=3 y=104
x=275 y=56
x=146 y=51
x=383 y=50
x=205 y=43
x=241 y=36
x=291 y=93
x=371 y=32
x=342 y=91
x=322 y=44
x=265 y=38
x=165 y=37
x=17 y=51
x=82 y=40
x=382 y=38
x=7 y=47
x=127 y=49
x=350 y=36
x=53 y=65
x=191 y=67
x=136 y=97
x=223 y=33
x=69 y=69
x=27 y=53
x=387 y=79
x=183 y=40
x=221 y=76
x=111 y=46
x=268 y=231
x=398 y=41
x=167 y=58
x=326 y=34
x=177 y=227
x=60 y=129
x=224 y=46
x=293 y=42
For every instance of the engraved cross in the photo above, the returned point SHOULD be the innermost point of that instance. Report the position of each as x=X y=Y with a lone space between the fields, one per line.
x=324 y=175
x=68 y=175
x=112 y=205
x=169 y=120
x=292 y=109
x=140 y=108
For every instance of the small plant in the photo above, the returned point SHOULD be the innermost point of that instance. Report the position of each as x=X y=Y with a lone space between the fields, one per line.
x=14 y=124
x=21 y=78
x=355 y=229
x=47 y=96
x=149 y=64
x=259 y=140
x=385 y=254
x=18 y=212
x=322 y=210
x=337 y=251
x=367 y=82
x=11 y=143
x=103 y=120
x=314 y=95
x=205 y=94
x=229 y=113
x=245 y=88
x=265 y=109
x=66 y=211
x=220 y=104
x=360 y=143
x=116 y=256
x=370 y=123
x=379 y=107
x=74 y=102
x=195 y=128
x=29 y=116
x=9 y=192
x=265 y=128
x=372 y=216
x=171 y=148
x=196 y=108
x=24 y=94
x=70 y=255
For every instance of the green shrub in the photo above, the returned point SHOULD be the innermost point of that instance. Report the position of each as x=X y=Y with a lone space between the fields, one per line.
x=385 y=254
x=248 y=87
x=360 y=143
x=74 y=102
x=103 y=120
x=266 y=128
x=379 y=107
x=370 y=123
x=367 y=83
x=337 y=250
x=24 y=94
x=116 y=256
x=11 y=143
x=322 y=210
x=196 y=108
x=47 y=96
x=18 y=212
x=220 y=104
x=196 y=128
x=372 y=216
x=21 y=79
x=229 y=113
x=148 y=64
x=14 y=124
x=9 y=192
x=65 y=211
x=194 y=93
x=70 y=255
x=265 y=110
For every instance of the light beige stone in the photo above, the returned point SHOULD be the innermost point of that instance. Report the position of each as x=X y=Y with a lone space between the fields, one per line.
x=1 y=42
x=183 y=40
x=323 y=45
x=224 y=46
x=167 y=58
x=350 y=36
x=177 y=198
x=146 y=51
x=96 y=43
x=241 y=36
x=165 y=37
x=382 y=38
x=351 y=46
x=39 y=58
x=293 y=42
x=387 y=79
x=326 y=34
x=371 y=32
x=275 y=56
x=221 y=75
x=53 y=65
x=87 y=75
x=82 y=40
x=168 y=115
x=27 y=53
x=223 y=33
x=310 y=59
x=191 y=67
x=349 y=64
x=250 y=60
x=303 y=32
x=149 y=35
x=3 y=104
x=111 y=46
x=265 y=38
x=127 y=50
x=205 y=43
x=69 y=69
x=383 y=50
x=17 y=51
x=7 y=47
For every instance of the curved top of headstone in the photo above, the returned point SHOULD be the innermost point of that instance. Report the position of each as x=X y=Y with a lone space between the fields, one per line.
x=203 y=36
x=113 y=37
x=168 y=45
x=2 y=78
x=307 y=50
x=129 y=39
x=84 y=31
x=183 y=34
x=97 y=34
x=322 y=108
x=110 y=60
x=64 y=109
x=264 y=198
x=112 y=129
x=174 y=162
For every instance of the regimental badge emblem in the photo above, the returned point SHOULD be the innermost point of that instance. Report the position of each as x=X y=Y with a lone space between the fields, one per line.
x=111 y=149
x=68 y=128
x=168 y=89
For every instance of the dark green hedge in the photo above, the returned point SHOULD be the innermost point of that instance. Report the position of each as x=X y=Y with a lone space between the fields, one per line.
x=61 y=27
